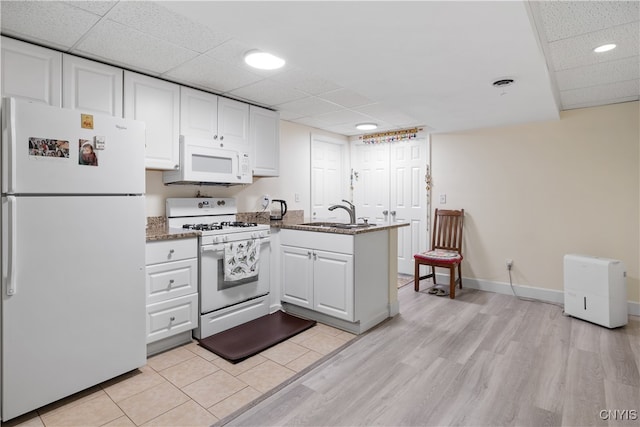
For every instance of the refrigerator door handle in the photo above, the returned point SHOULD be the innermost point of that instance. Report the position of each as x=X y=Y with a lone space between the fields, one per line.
x=13 y=247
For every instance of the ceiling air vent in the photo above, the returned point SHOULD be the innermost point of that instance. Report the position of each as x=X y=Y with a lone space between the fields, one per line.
x=502 y=83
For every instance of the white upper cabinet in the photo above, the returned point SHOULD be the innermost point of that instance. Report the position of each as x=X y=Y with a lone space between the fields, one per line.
x=264 y=137
x=225 y=122
x=31 y=72
x=91 y=86
x=198 y=114
x=233 y=123
x=157 y=103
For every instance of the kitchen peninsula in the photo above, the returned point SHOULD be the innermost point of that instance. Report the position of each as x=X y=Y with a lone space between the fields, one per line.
x=344 y=277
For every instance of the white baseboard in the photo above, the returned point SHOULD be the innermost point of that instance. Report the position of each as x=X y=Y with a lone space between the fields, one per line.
x=548 y=295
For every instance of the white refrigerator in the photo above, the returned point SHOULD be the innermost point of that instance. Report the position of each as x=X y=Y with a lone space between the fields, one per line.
x=73 y=236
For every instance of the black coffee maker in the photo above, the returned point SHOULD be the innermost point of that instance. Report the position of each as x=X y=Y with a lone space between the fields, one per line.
x=278 y=209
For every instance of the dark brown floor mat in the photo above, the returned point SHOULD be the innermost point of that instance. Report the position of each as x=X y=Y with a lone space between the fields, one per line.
x=240 y=342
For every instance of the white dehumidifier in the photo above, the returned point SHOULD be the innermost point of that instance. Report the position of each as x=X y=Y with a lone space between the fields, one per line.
x=595 y=290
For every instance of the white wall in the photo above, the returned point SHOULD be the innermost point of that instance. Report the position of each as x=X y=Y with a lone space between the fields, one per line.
x=295 y=146
x=535 y=192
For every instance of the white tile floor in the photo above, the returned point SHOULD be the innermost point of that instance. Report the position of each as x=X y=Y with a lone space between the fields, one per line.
x=188 y=386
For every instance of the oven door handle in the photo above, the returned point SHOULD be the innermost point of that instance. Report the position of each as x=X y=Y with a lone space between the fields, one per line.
x=212 y=248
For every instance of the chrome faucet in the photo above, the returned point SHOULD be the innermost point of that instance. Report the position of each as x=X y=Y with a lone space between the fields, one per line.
x=351 y=209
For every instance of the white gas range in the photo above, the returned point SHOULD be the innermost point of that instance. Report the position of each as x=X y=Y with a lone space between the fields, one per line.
x=234 y=262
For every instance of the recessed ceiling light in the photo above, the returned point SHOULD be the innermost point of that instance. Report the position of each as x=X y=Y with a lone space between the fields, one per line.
x=366 y=126
x=263 y=60
x=605 y=48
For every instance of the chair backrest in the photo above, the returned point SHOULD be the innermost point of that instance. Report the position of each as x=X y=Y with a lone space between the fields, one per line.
x=447 y=230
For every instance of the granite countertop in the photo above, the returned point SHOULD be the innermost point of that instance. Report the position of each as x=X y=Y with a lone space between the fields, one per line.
x=157 y=230
x=349 y=231
x=157 y=226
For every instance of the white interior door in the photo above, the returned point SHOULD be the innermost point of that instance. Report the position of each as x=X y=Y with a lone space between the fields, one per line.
x=328 y=178
x=390 y=187
x=408 y=198
x=371 y=182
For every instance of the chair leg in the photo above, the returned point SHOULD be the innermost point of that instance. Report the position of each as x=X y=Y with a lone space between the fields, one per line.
x=416 y=276
x=433 y=274
x=452 y=282
x=460 y=274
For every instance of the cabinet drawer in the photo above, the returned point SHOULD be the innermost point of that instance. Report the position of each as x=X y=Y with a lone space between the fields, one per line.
x=171 y=250
x=171 y=317
x=171 y=280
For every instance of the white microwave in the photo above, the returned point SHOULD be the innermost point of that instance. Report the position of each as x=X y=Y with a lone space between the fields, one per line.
x=202 y=163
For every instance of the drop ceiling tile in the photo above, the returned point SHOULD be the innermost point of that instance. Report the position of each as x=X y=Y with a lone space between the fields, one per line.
x=578 y=51
x=601 y=95
x=53 y=24
x=342 y=116
x=157 y=21
x=564 y=19
x=98 y=7
x=305 y=81
x=268 y=92
x=310 y=106
x=143 y=52
x=346 y=98
x=387 y=114
x=289 y=115
x=599 y=74
x=210 y=74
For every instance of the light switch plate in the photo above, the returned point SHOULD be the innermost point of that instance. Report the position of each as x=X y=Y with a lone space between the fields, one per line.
x=443 y=199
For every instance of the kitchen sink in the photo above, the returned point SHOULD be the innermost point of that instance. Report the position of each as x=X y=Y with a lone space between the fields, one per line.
x=336 y=225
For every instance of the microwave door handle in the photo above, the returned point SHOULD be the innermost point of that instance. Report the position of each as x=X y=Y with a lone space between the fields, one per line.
x=13 y=247
x=239 y=173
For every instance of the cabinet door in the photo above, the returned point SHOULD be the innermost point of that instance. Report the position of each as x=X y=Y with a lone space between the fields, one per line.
x=31 y=72
x=297 y=275
x=233 y=124
x=333 y=284
x=91 y=86
x=264 y=132
x=198 y=114
x=157 y=103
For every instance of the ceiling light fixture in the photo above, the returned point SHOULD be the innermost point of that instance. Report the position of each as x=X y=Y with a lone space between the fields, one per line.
x=605 y=48
x=263 y=60
x=366 y=126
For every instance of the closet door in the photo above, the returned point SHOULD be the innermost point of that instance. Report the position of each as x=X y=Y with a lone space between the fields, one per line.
x=389 y=186
x=408 y=198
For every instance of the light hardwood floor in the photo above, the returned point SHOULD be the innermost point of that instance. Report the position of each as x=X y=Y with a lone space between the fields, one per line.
x=481 y=359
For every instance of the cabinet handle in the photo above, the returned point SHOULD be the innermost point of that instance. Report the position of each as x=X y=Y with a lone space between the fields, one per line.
x=315 y=256
x=171 y=282
x=221 y=137
x=215 y=137
x=309 y=254
x=172 y=318
x=393 y=213
x=171 y=251
x=385 y=212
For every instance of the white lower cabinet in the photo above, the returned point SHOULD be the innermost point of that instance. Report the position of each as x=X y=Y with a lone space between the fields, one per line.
x=171 y=288
x=341 y=280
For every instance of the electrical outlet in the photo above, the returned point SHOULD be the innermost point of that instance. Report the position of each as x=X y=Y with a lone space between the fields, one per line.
x=443 y=199
x=265 y=201
x=509 y=263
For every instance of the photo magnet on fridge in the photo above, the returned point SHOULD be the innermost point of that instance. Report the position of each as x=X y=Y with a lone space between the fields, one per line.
x=86 y=121
x=87 y=155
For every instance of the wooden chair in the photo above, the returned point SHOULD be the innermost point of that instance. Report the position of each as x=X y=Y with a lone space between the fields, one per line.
x=446 y=249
